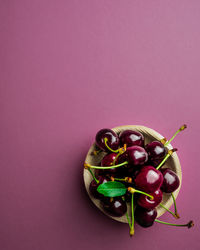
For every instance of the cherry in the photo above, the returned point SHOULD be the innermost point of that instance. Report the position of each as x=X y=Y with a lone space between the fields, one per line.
x=145 y=217
x=94 y=185
x=155 y=150
x=131 y=138
x=170 y=180
x=146 y=202
x=149 y=179
x=108 y=160
x=136 y=155
x=111 y=138
x=114 y=159
x=115 y=206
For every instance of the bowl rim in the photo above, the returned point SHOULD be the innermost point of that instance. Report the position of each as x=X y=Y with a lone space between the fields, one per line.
x=148 y=132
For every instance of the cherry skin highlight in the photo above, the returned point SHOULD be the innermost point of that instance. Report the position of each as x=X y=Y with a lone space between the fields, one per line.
x=148 y=179
x=170 y=180
x=146 y=202
x=131 y=138
x=112 y=137
x=145 y=217
x=155 y=150
x=136 y=155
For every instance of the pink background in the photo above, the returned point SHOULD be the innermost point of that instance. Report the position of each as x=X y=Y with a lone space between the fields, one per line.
x=70 y=68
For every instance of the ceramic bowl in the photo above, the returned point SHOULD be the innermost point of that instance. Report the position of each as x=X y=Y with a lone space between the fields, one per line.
x=149 y=135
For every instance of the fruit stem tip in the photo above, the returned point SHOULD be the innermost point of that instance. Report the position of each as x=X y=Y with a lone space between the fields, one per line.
x=132 y=232
x=184 y=126
x=131 y=190
x=112 y=178
x=95 y=152
x=190 y=224
x=171 y=151
x=177 y=216
x=86 y=165
x=163 y=140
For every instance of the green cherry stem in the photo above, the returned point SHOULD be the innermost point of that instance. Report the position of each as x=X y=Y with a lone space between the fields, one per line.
x=133 y=190
x=189 y=224
x=112 y=150
x=175 y=208
x=177 y=132
x=86 y=165
x=121 y=151
x=93 y=175
x=132 y=215
x=129 y=223
x=170 y=152
x=168 y=210
x=116 y=158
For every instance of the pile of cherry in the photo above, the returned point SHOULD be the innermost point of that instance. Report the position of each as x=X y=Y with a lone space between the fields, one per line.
x=132 y=172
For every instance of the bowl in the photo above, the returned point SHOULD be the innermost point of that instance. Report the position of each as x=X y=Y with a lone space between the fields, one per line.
x=149 y=135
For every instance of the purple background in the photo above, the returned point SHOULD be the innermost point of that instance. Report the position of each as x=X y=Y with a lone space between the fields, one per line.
x=70 y=68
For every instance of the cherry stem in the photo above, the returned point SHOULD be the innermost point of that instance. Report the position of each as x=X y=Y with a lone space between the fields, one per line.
x=168 y=210
x=93 y=175
x=129 y=223
x=177 y=132
x=163 y=140
x=121 y=151
x=175 y=208
x=105 y=167
x=112 y=150
x=132 y=215
x=133 y=190
x=116 y=158
x=170 y=152
x=126 y=179
x=189 y=224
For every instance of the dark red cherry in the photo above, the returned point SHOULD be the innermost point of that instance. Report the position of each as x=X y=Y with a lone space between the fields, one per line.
x=145 y=217
x=113 y=139
x=131 y=138
x=125 y=170
x=93 y=186
x=136 y=155
x=108 y=160
x=170 y=180
x=147 y=202
x=148 y=179
x=115 y=206
x=155 y=150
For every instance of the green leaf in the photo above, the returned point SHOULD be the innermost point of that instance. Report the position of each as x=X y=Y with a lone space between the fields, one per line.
x=112 y=189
